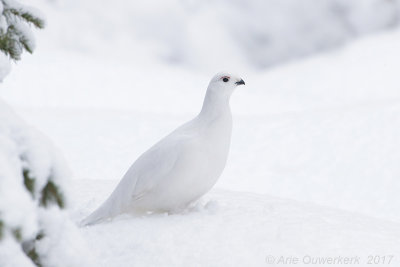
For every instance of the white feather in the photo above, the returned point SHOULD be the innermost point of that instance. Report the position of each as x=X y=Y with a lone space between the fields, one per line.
x=183 y=166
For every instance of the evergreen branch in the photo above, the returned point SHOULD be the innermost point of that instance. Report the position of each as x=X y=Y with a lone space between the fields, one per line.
x=14 y=39
x=28 y=17
x=10 y=46
x=25 y=43
x=10 y=43
x=51 y=194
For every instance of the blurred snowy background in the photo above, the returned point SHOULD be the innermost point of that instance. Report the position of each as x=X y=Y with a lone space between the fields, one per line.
x=318 y=120
x=209 y=34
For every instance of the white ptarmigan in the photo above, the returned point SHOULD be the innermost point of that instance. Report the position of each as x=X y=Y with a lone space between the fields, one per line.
x=181 y=167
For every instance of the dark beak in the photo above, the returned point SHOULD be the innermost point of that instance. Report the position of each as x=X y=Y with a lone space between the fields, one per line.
x=240 y=82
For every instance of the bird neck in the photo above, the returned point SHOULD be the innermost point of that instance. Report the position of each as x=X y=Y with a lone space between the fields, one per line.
x=215 y=105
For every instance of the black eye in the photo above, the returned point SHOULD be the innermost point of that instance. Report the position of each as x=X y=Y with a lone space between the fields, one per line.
x=225 y=80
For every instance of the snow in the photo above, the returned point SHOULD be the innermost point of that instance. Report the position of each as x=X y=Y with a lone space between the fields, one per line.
x=11 y=254
x=25 y=31
x=316 y=124
x=4 y=66
x=231 y=228
x=313 y=168
x=321 y=165
x=16 y=206
x=63 y=244
x=204 y=35
x=24 y=148
x=21 y=32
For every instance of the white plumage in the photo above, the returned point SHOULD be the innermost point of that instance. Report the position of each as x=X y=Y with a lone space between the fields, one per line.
x=181 y=167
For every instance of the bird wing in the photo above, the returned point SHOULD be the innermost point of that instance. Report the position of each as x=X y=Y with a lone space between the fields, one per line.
x=151 y=167
x=148 y=170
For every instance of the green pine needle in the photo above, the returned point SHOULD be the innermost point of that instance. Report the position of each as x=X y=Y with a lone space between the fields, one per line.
x=12 y=41
x=28 y=17
x=32 y=254
x=17 y=234
x=29 y=182
x=51 y=194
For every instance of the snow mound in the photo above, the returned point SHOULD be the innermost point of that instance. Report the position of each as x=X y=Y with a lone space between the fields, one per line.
x=233 y=229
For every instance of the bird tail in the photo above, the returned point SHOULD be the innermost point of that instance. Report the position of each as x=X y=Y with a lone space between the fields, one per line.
x=110 y=208
x=96 y=216
x=99 y=215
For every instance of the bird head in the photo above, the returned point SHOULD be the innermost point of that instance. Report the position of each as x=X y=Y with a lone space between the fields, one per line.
x=224 y=83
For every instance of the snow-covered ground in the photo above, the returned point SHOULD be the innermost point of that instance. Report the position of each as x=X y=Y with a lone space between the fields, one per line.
x=234 y=228
x=314 y=161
